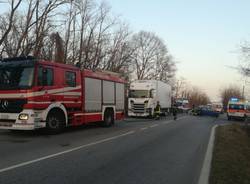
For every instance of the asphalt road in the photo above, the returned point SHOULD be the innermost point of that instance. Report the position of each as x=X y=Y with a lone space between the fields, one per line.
x=132 y=152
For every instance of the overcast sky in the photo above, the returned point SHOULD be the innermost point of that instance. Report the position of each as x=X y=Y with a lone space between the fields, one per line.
x=203 y=35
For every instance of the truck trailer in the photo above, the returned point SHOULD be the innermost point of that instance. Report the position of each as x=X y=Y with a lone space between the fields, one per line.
x=41 y=94
x=143 y=97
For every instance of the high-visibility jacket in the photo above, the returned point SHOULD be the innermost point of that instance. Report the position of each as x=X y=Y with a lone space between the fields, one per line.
x=158 y=109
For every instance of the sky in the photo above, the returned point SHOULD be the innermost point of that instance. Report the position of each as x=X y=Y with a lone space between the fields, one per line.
x=204 y=36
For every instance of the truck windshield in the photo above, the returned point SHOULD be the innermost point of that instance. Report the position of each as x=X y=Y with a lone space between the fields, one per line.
x=236 y=107
x=139 y=94
x=16 y=77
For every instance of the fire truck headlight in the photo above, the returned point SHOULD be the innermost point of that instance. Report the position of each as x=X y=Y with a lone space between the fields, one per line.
x=23 y=117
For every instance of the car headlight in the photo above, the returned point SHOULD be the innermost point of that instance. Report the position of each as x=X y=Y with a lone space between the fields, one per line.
x=23 y=117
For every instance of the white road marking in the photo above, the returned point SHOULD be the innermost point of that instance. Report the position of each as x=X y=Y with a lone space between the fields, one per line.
x=144 y=128
x=167 y=122
x=171 y=121
x=152 y=126
x=63 y=152
x=205 y=171
x=183 y=117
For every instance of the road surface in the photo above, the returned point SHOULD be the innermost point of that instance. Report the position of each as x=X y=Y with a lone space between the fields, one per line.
x=132 y=152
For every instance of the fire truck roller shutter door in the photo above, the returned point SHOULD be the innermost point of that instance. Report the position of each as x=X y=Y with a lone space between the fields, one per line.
x=120 y=97
x=108 y=93
x=93 y=95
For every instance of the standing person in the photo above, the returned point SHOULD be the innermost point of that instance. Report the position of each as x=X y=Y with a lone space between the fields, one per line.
x=157 y=110
x=175 y=112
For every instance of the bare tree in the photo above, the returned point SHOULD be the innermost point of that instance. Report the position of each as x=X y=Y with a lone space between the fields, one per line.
x=244 y=66
x=31 y=28
x=42 y=21
x=230 y=92
x=150 y=57
x=196 y=97
x=118 y=53
x=180 y=88
x=82 y=32
x=14 y=6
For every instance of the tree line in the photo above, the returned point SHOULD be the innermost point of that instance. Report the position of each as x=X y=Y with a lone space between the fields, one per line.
x=195 y=96
x=84 y=33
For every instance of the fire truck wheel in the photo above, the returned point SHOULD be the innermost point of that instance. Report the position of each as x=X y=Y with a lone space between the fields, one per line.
x=108 y=118
x=55 y=122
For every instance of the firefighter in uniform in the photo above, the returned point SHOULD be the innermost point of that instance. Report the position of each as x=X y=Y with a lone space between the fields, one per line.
x=157 y=110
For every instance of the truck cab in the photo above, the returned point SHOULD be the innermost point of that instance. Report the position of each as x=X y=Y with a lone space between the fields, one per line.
x=142 y=101
x=143 y=97
x=30 y=89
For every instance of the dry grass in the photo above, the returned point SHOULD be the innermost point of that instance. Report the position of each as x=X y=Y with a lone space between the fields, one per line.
x=231 y=158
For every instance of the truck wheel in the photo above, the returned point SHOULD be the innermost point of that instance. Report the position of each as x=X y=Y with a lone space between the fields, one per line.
x=55 y=122
x=108 y=118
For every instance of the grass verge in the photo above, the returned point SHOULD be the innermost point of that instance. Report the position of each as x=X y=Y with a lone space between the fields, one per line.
x=231 y=157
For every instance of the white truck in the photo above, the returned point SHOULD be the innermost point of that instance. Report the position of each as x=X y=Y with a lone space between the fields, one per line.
x=143 y=97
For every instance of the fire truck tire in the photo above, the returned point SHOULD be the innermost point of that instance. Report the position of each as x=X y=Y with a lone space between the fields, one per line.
x=55 y=122
x=108 y=118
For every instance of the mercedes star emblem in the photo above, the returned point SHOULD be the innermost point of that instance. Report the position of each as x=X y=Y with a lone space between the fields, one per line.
x=4 y=104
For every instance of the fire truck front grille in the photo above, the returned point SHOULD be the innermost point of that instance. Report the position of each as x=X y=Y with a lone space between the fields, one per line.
x=138 y=108
x=12 y=105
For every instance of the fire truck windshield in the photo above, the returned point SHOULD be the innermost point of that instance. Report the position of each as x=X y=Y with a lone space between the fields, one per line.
x=16 y=77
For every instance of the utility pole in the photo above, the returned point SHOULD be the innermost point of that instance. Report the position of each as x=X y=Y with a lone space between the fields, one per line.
x=243 y=91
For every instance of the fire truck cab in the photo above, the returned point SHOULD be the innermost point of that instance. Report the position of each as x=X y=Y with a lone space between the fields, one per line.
x=40 y=94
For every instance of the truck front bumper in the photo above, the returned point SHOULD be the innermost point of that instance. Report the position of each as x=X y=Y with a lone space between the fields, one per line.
x=11 y=121
x=133 y=114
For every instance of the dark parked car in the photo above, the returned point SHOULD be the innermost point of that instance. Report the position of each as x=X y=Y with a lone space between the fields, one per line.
x=204 y=111
x=207 y=111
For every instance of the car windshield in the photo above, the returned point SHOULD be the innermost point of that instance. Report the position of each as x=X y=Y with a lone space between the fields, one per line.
x=236 y=107
x=16 y=77
x=139 y=94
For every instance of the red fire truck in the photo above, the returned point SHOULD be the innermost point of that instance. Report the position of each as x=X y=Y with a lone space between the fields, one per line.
x=40 y=94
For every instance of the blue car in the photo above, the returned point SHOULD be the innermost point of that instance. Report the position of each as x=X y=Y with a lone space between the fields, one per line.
x=207 y=111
